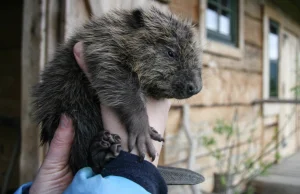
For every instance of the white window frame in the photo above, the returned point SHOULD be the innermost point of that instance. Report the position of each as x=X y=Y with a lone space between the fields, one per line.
x=285 y=24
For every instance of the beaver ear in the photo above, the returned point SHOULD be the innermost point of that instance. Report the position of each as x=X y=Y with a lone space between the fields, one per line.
x=136 y=19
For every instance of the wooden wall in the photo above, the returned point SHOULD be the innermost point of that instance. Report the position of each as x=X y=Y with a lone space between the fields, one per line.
x=230 y=85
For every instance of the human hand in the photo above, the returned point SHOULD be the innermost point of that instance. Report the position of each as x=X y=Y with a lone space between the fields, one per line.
x=157 y=111
x=55 y=174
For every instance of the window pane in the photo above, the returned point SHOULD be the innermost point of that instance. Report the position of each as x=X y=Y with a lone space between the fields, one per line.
x=225 y=23
x=212 y=18
x=273 y=47
x=225 y=3
x=273 y=78
x=221 y=21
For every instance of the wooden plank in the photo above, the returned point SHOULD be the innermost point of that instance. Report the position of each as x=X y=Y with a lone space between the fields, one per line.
x=253 y=8
x=226 y=86
x=40 y=36
x=53 y=27
x=253 y=31
x=75 y=15
x=99 y=8
x=29 y=157
x=221 y=49
x=187 y=9
x=253 y=58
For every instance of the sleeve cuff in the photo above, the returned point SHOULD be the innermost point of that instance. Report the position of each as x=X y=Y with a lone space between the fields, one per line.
x=143 y=173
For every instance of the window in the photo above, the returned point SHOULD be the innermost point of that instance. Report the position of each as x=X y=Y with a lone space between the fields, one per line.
x=221 y=20
x=273 y=48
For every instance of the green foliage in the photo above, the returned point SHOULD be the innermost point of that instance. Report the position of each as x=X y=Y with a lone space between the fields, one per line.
x=277 y=156
x=208 y=141
x=223 y=180
x=218 y=155
x=265 y=167
x=249 y=163
x=222 y=128
x=247 y=167
x=296 y=89
x=250 y=190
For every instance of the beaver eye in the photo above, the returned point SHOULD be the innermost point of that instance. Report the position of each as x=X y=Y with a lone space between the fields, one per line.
x=171 y=54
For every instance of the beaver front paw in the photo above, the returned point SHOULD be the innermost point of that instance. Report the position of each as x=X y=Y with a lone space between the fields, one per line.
x=104 y=147
x=143 y=141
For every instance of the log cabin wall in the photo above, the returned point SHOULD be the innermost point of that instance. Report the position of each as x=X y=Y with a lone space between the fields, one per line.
x=231 y=82
x=233 y=78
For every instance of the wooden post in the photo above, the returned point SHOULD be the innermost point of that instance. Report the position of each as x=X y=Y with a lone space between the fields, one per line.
x=31 y=39
x=41 y=33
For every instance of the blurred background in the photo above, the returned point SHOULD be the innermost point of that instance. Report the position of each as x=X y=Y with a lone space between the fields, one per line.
x=241 y=132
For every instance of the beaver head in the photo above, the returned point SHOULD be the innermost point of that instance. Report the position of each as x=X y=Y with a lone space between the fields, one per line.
x=166 y=54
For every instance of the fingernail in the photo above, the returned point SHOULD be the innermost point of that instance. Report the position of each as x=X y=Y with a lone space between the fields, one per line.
x=64 y=121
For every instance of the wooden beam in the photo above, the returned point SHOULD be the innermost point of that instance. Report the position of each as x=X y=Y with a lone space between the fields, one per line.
x=31 y=39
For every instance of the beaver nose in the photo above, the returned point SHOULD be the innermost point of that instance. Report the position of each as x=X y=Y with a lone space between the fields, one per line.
x=192 y=89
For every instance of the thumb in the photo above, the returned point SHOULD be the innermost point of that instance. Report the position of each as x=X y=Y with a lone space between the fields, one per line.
x=77 y=50
x=60 y=147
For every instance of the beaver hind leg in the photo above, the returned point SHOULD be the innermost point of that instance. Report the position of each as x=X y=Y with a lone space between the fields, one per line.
x=104 y=147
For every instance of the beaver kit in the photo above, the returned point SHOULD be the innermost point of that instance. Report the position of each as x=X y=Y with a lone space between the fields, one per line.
x=130 y=55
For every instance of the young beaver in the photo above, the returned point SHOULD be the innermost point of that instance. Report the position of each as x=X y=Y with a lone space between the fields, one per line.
x=129 y=55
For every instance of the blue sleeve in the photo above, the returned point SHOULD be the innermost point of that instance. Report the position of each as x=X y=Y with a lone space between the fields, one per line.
x=107 y=185
x=24 y=189
x=86 y=181
x=125 y=174
x=143 y=173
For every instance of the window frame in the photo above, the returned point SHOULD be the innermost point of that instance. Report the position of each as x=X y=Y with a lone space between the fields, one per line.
x=220 y=48
x=277 y=26
x=285 y=24
x=232 y=39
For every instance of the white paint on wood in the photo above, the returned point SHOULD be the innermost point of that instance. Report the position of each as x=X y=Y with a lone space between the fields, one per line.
x=286 y=83
x=284 y=25
x=268 y=109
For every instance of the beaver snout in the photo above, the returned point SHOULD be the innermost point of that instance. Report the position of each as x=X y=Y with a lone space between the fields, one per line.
x=184 y=89
x=186 y=83
x=192 y=88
